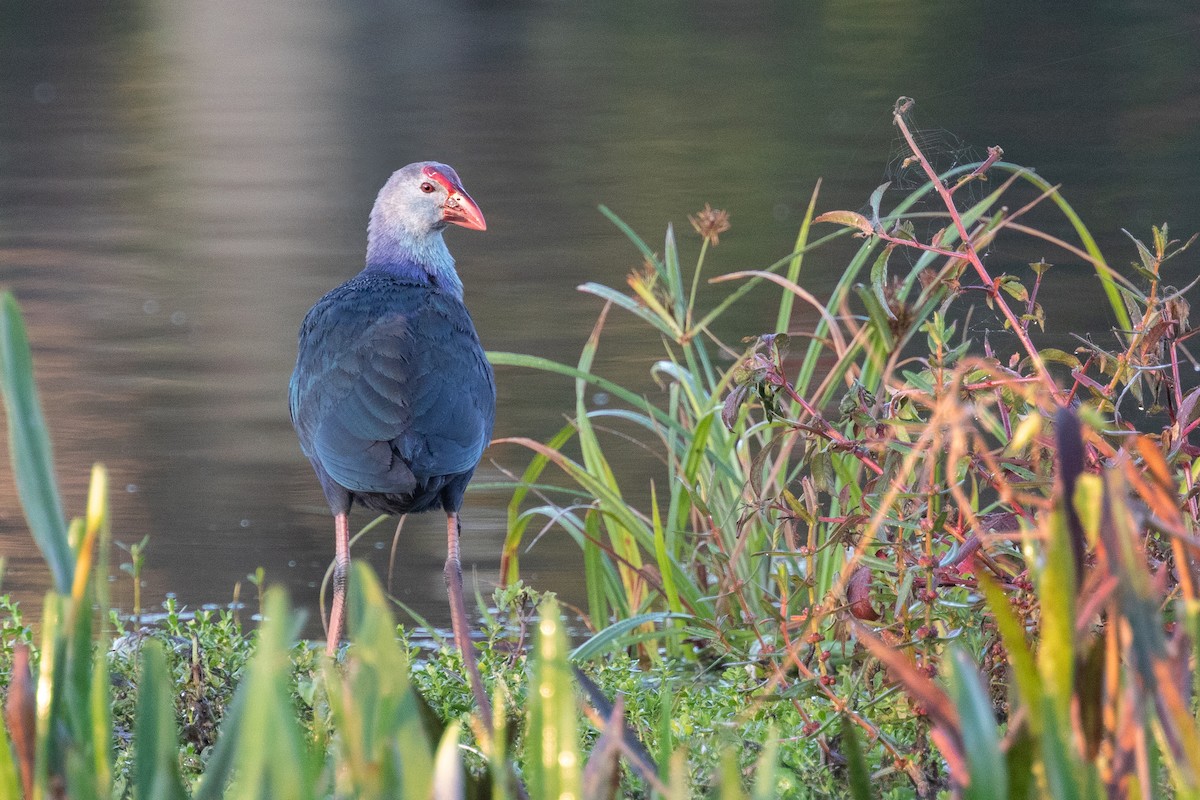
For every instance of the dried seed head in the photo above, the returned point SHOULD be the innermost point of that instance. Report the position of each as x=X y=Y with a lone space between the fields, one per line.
x=710 y=223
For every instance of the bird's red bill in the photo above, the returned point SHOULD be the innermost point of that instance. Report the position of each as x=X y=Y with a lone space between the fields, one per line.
x=460 y=209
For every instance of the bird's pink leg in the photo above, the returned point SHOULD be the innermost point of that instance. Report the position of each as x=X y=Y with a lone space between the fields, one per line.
x=458 y=621
x=341 y=576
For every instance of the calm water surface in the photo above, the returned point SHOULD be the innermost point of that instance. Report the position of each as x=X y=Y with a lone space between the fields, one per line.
x=180 y=181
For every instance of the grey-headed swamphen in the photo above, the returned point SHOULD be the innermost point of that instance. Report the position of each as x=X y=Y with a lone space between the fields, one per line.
x=392 y=397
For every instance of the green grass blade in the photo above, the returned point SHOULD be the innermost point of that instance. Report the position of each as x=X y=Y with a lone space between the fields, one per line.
x=615 y=508
x=102 y=727
x=51 y=678
x=448 y=781
x=10 y=782
x=218 y=771
x=766 y=769
x=856 y=762
x=595 y=567
x=737 y=294
x=666 y=734
x=518 y=522
x=498 y=758
x=1056 y=593
x=261 y=752
x=29 y=447
x=642 y=247
x=662 y=556
x=784 y=318
x=382 y=742
x=499 y=358
x=1012 y=633
x=674 y=274
x=622 y=535
x=1064 y=775
x=553 y=762
x=612 y=637
x=655 y=315
x=980 y=734
x=155 y=737
x=680 y=784
x=1111 y=290
x=730 y=776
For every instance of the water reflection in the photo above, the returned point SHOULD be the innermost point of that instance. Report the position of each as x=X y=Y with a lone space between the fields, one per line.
x=179 y=182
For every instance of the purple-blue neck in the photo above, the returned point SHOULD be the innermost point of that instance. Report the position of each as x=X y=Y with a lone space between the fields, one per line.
x=422 y=257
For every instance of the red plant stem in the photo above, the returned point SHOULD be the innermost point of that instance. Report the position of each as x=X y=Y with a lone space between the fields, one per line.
x=971 y=255
x=996 y=383
x=994 y=155
x=827 y=430
x=998 y=391
x=928 y=248
x=1032 y=302
x=1177 y=389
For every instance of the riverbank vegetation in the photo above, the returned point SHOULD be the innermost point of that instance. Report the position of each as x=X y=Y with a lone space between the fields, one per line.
x=889 y=552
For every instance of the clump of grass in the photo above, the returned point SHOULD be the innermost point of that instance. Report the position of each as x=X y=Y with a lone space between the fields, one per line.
x=871 y=483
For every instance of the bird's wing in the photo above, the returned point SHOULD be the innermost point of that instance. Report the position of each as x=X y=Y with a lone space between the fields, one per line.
x=392 y=389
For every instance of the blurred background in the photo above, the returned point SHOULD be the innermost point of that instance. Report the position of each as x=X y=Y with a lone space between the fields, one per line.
x=180 y=181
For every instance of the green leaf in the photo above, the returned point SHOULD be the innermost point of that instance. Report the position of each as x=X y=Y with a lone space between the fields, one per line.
x=876 y=198
x=1013 y=287
x=29 y=447
x=879 y=282
x=1056 y=356
x=1148 y=269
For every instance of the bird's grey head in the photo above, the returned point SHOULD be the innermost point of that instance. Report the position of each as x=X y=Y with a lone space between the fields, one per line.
x=412 y=210
x=423 y=198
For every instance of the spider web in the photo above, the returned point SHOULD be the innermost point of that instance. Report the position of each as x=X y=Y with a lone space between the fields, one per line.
x=945 y=151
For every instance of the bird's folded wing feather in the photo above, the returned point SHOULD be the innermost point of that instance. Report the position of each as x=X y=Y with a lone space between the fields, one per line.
x=391 y=403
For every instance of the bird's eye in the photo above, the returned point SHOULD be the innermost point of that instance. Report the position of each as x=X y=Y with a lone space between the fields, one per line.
x=426 y=187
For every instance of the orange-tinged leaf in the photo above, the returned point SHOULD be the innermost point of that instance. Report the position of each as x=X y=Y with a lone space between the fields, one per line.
x=851 y=219
x=1153 y=458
